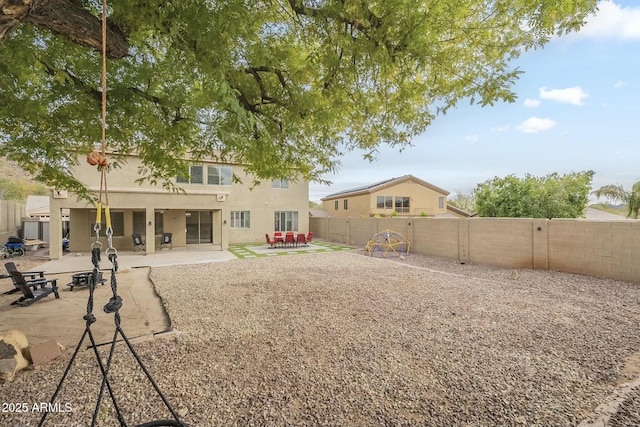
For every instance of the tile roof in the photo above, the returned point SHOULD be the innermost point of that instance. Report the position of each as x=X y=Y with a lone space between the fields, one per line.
x=383 y=184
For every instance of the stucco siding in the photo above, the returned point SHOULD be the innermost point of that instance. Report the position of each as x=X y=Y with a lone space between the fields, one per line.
x=215 y=203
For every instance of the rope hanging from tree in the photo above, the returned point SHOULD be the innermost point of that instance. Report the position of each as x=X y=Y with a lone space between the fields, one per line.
x=98 y=158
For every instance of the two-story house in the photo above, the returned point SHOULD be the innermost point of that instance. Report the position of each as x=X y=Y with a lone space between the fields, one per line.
x=212 y=210
x=405 y=196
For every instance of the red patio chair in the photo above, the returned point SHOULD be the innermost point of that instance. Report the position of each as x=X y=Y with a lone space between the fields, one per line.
x=272 y=243
x=309 y=237
x=289 y=239
x=301 y=239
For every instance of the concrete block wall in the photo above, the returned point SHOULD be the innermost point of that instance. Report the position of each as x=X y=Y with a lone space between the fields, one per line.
x=11 y=214
x=504 y=242
x=435 y=237
x=598 y=248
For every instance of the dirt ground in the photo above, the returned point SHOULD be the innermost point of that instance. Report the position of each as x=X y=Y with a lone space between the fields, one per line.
x=61 y=319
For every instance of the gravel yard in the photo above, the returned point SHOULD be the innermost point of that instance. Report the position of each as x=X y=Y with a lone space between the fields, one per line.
x=342 y=339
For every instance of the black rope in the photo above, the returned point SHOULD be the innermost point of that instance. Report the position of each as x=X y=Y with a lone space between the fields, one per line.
x=116 y=302
x=89 y=318
x=113 y=306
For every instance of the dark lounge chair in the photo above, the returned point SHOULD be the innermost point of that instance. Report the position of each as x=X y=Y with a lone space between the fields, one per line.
x=29 y=295
x=33 y=278
x=165 y=241
x=138 y=243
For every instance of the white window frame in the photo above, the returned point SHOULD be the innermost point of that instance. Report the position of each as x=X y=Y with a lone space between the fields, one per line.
x=285 y=221
x=240 y=219
x=223 y=173
x=280 y=183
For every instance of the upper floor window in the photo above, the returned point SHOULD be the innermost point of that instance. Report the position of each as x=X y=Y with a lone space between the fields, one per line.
x=441 y=202
x=345 y=204
x=336 y=204
x=195 y=175
x=216 y=175
x=280 y=183
x=219 y=175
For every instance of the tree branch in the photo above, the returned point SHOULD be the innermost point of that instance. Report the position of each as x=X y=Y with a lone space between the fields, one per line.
x=67 y=18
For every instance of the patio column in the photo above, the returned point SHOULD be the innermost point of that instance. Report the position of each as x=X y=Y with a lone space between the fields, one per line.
x=150 y=237
x=55 y=231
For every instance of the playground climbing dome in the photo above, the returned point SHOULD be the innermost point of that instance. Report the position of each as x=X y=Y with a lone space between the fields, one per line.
x=388 y=244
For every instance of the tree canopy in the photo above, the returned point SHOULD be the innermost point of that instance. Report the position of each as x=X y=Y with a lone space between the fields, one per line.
x=551 y=196
x=282 y=86
x=617 y=193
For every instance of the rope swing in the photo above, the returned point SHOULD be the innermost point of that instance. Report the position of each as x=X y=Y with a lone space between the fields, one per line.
x=98 y=158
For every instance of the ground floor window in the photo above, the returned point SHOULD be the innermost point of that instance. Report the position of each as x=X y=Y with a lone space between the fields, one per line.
x=286 y=221
x=117 y=223
x=140 y=220
x=384 y=202
x=402 y=204
x=240 y=219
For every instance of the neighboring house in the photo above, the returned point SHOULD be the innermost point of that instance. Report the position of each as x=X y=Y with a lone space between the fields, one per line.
x=213 y=210
x=406 y=196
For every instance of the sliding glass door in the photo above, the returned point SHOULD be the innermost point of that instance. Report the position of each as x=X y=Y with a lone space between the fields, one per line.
x=199 y=227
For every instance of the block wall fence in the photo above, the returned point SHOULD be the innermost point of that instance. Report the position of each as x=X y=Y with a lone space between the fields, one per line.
x=11 y=214
x=598 y=248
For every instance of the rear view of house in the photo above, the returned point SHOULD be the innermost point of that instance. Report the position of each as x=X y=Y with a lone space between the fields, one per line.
x=213 y=210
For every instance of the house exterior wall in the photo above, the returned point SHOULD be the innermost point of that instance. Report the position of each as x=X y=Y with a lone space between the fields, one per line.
x=356 y=206
x=598 y=248
x=203 y=201
x=422 y=200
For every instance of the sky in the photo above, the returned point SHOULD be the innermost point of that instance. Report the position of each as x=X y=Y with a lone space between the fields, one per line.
x=577 y=110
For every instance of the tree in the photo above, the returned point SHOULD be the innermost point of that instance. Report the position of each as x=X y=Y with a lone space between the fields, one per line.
x=464 y=200
x=551 y=196
x=617 y=193
x=283 y=87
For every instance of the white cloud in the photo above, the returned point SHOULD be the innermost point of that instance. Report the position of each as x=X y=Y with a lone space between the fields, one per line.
x=572 y=95
x=620 y=83
x=535 y=125
x=612 y=21
x=472 y=138
x=500 y=128
x=531 y=103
